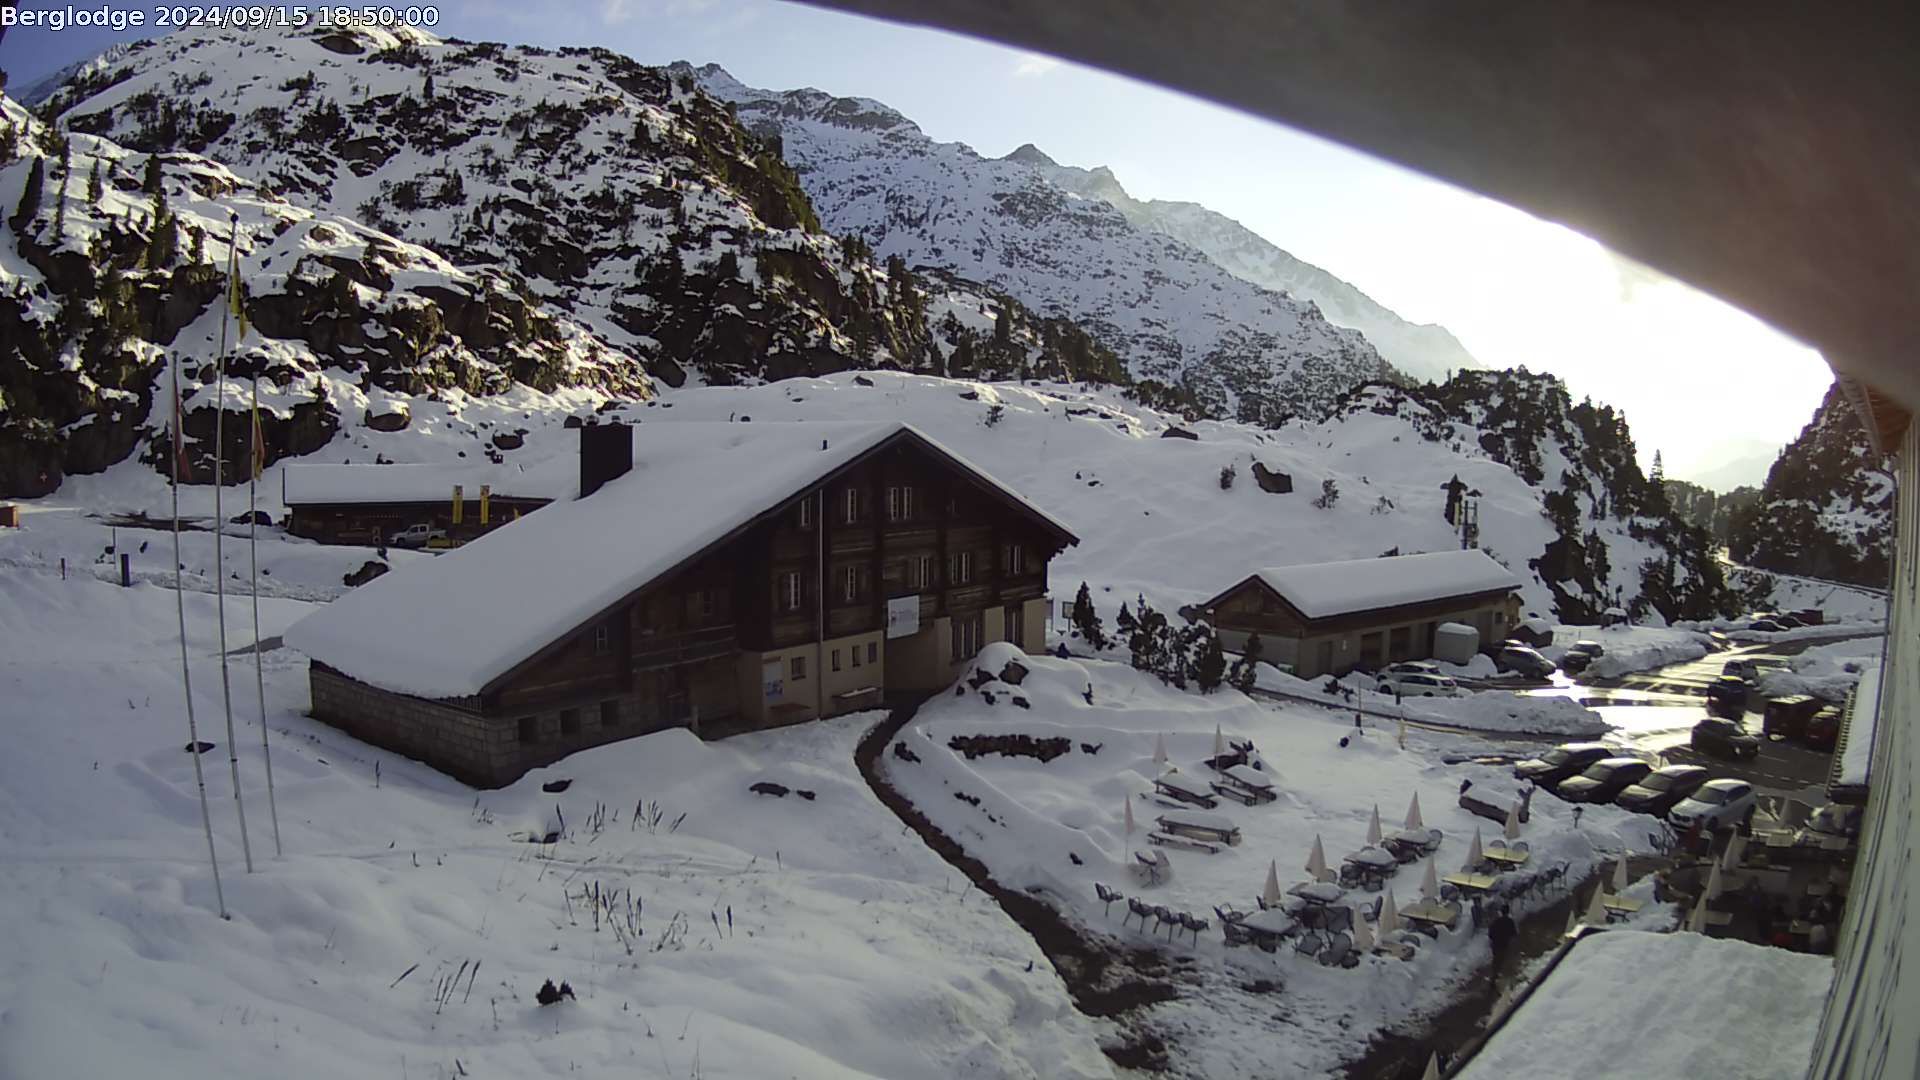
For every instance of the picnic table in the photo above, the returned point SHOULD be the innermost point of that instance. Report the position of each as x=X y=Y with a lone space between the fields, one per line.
x=1199 y=826
x=1408 y=845
x=1245 y=784
x=1368 y=868
x=1509 y=857
x=1428 y=915
x=1185 y=789
x=1470 y=882
x=1621 y=906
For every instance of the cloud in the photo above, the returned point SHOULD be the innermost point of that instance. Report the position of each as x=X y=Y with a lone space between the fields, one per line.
x=1033 y=66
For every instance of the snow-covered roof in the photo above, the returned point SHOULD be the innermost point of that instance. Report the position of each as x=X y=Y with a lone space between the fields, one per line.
x=1689 y=1025
x=1863 y=716
x=1320 y=590
x=448 y=626
x=310 y=485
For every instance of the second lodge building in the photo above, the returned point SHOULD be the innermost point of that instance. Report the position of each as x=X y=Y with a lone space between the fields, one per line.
x=1330 y=618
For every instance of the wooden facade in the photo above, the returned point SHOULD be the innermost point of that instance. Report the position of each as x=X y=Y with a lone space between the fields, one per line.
x=1365 y=640
x=782 y=620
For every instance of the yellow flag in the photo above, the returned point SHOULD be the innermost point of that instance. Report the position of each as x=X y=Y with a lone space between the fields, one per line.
x=458 y=504
x=259 y=444
x=486 y=497
x=234 y=299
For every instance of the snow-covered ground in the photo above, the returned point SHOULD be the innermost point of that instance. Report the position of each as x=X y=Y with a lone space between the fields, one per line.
x=1630 y=648
x=767 y=935
x=1825 y=671
x=1697 y=1006
x=1499 y=711
x=1058 y=827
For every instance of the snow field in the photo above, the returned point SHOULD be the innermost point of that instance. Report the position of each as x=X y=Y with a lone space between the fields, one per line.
x=844 y=932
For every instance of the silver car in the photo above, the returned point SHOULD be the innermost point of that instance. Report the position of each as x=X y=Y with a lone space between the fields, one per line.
x=1717 y=805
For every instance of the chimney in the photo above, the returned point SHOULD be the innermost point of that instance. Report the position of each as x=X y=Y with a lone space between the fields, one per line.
x=606 y=453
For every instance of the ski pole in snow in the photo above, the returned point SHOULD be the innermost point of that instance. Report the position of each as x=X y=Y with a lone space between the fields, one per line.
x=186 y=679
x=253 y=556
x=219 y=532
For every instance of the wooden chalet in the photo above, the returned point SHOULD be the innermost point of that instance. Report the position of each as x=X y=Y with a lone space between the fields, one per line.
x=1330 y=618
x=720 y=576
x=367 y=504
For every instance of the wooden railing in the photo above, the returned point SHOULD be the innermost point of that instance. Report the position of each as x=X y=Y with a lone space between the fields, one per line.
x=685 y=648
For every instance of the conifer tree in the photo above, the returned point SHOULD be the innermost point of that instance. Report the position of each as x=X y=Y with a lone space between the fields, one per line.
x=1246 y=669
x=426 y=91
x=94 y=187
x=30 y=195
x=1003 y=327
x=1085 y=620
x=1210 y=666
x=150 y=183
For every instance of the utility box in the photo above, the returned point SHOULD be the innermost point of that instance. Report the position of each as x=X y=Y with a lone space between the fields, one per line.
x=1455 y=643
x=9 y=516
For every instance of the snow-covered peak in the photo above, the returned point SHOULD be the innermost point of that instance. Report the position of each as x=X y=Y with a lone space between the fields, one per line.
x=1029 y=154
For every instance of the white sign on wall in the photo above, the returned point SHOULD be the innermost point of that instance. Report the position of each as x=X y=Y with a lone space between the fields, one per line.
x=903 y=616
x=772 y=685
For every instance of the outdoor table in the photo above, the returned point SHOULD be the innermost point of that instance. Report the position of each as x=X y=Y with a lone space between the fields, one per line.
x=1251 y=777
x=1621 y=905
x=1317 y=892
x=1378 y=858
x=1510 y=859
x=1473 y=883
x=1432 y=913
x=1185 y=789
x=1270 y=921
x=1779 y=838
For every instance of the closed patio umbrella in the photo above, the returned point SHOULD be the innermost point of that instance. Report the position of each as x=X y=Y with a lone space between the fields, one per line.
x=1697 y=921
x=1271 y=894
x=1475 y=853
x=1317 y=861
x=1129 y=809
x=1362 y=936
x=1413 y=813
x=1513 y=823
x=1713 y=882
x=1219 y=743
x=1389 y=915
x=1373 y=827
x=1620 y=875
x=1597 y=911
x=1430 y=884
x=1160 y=750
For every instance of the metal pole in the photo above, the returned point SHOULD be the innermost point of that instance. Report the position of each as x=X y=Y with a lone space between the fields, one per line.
x=219 y=533
x=253 y=555
x=186 y=679
x=820 y=608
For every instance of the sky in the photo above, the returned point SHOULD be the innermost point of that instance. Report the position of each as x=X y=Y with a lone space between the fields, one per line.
x=1714 y=390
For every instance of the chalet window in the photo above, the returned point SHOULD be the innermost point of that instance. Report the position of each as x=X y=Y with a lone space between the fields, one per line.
x=601 y=638
x=529 y=729
x=609 y=714
x=569 y=721
x=797 y=668
x=1016 y=631
x=836 y=659
x=966 y=635
x=1016 y=559
x=790 y=591
x=920 y=572
x=806 y=513
x=900 y=503
x=960 y=569
x=703 y=602
x=856 y=655
x=852 y=590
x=873 y=652
x=853 y=505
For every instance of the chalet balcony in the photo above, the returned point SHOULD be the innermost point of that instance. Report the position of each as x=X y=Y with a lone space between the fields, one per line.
x=667 y=650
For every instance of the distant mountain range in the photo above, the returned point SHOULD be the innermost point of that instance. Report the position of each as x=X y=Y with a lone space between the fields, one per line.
x=1422 y=350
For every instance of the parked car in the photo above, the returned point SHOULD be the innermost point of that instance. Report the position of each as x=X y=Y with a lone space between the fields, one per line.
x=1718 y=735
x=1823 y=728
x=1789 y=622
x=1561 y=762
x=1603 y=780
x=1786 y=717
x=1410 y=667
x=1743 y=668
x=1592 y=650
x=1417 y=685
x=416 y=536
x=1812 y=616
x=1727 y=696
x=1765 y=626
x=1662 y=789
x=1716 y=805
x=1523 y=659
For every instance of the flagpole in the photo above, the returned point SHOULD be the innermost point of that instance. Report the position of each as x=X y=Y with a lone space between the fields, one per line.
x=219 y=533
x=253 y=556
x=186 y=679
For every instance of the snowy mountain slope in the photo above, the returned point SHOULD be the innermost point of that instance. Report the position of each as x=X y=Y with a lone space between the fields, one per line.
x=1826 y=510
x=40 y=90
x=112 y=268
x=1424 y=351
x=606 y=189
x=1235 y=349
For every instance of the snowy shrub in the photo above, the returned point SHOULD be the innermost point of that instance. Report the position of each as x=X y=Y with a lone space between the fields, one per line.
x=1329 y=494
x=1226 y=476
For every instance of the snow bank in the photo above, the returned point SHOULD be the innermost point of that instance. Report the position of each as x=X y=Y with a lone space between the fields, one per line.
x=1856 y=755
x=1631 y=648
x=1827 y=672
x=1685 y=1018
x=1484 y=710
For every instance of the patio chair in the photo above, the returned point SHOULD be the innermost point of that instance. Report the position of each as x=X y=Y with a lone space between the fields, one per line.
x=1165 y=917
x=1339 y=919
x=1338 y=948
x=1313 y=917
x=1373 y=909
x=1236 y=934
x=1107 y=896
x=1228 y=915
x=1139 y=909
x=1193 y=924
x=1309 y=944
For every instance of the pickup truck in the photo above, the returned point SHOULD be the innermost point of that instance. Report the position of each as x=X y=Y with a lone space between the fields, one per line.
x=417 y=536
